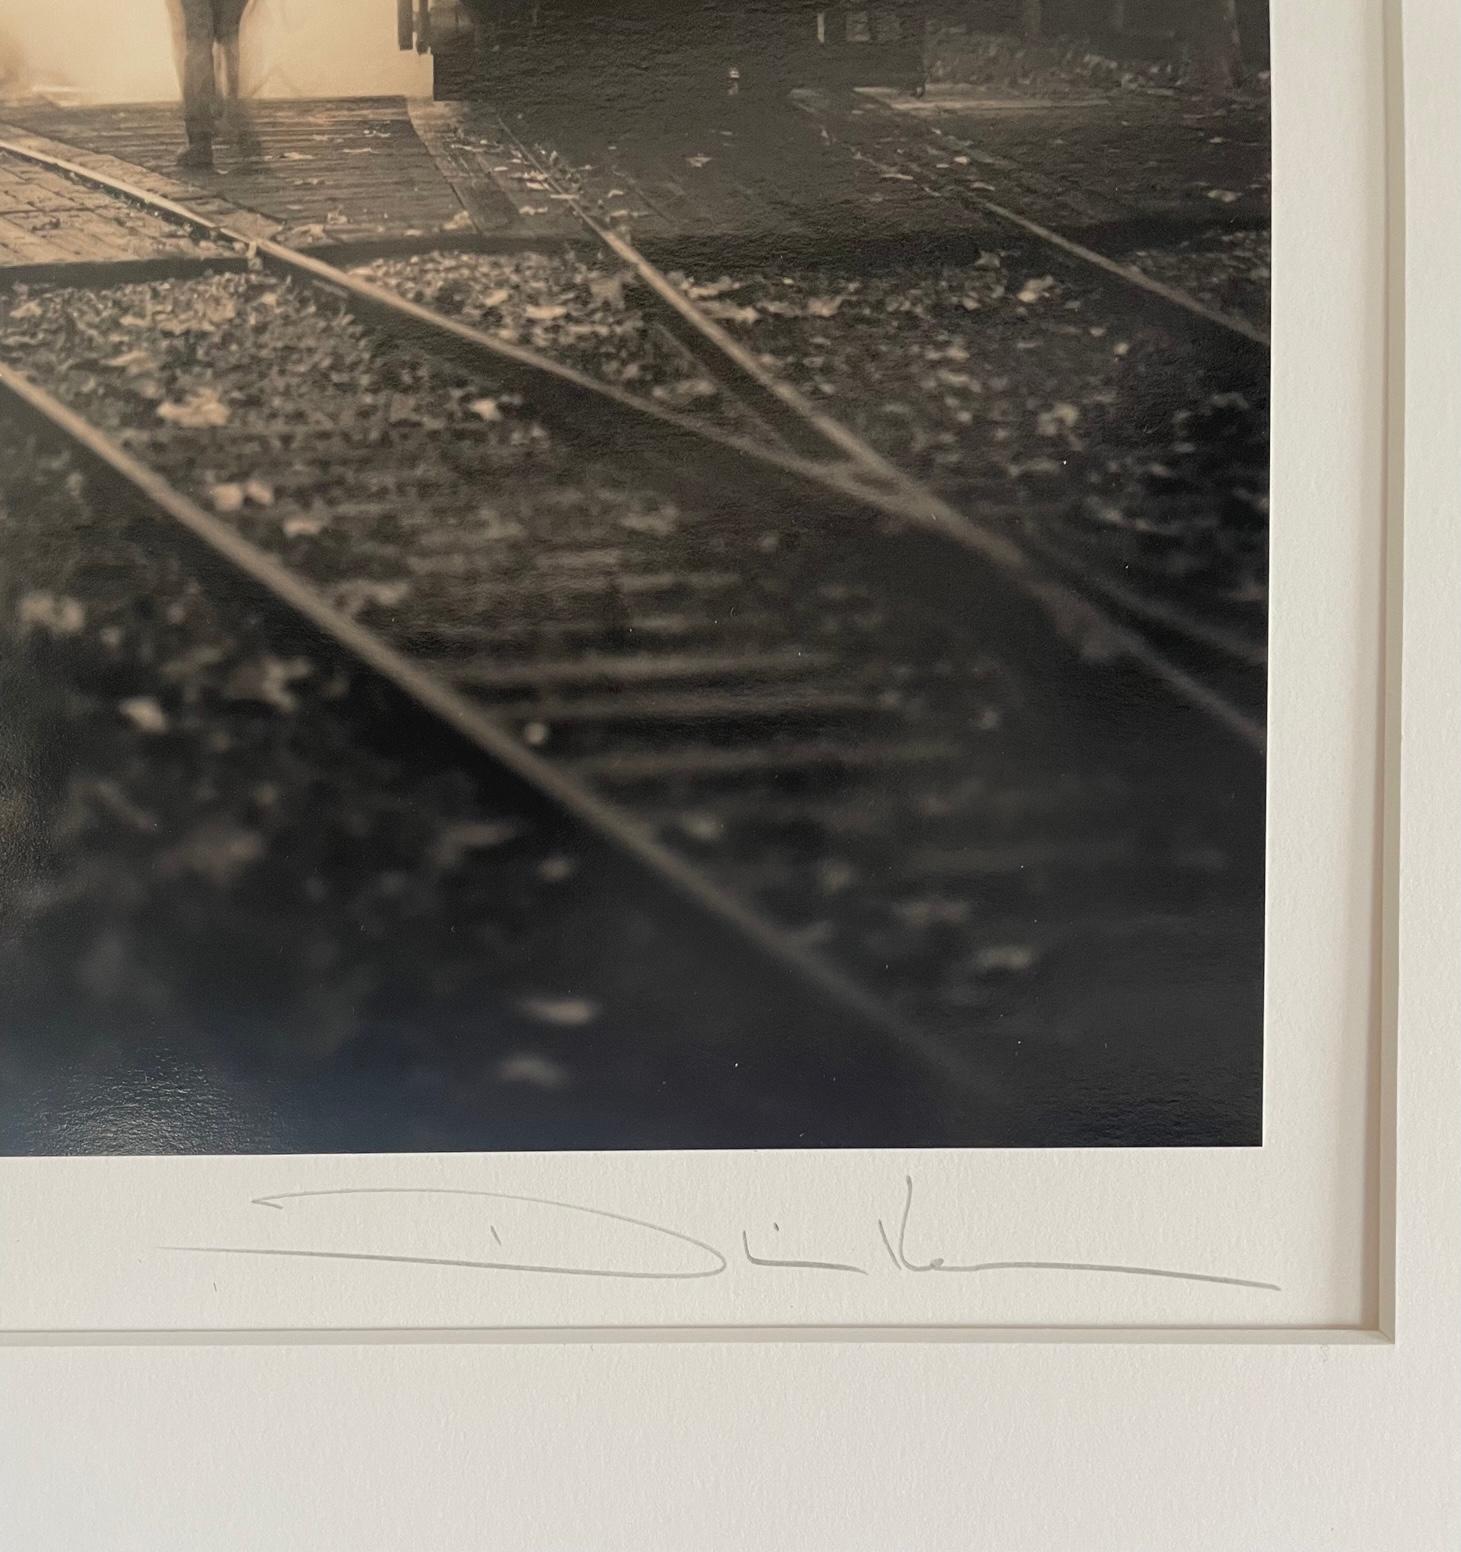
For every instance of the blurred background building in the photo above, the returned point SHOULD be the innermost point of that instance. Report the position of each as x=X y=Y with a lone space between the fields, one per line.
x=121 y=50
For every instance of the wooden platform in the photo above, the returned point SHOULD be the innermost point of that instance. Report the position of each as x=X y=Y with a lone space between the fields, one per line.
x=835 y=173
x=333 y=171
x=378 y=168
x=47 y=219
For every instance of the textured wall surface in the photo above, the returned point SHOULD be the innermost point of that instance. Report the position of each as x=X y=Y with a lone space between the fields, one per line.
x=123 y=51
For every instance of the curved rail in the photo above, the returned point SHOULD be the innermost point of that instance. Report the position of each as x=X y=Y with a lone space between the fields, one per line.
x=800 y=425
x=849 y=476
x=1005 y=593
x=1170 y=298
x=479 y=733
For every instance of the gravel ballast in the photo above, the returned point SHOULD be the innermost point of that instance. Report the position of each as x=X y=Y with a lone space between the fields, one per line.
x=1021 y=393
x=430 y=505
x=246 y=907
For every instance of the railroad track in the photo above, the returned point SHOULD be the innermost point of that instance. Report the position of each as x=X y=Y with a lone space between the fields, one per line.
x=908 y=786
x=555 y=996
x=1218 y=661
x=1219 y=650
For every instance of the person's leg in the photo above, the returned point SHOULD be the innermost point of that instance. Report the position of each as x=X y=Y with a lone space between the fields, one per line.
x=179 y=44
x=193 y=45
x=228 y=17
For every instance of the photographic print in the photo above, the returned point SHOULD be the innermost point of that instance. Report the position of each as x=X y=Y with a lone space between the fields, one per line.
x=674 y=575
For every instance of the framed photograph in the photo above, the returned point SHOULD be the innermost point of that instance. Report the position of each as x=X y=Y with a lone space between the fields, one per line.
x=727 y=775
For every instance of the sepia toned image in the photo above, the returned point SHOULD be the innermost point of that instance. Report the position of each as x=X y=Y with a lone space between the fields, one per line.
x=675 y=575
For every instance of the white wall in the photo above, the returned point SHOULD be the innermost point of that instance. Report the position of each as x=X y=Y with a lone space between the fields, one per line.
x=121 y=50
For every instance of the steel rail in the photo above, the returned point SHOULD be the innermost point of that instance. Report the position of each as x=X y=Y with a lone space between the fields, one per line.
x=783 y=408
x=877 y=487
x=1114 y=593
x=1171 y=298
x=851 y=479
x=802 y=426
x=1245 y=651
x=480 y=734
x=553 y=385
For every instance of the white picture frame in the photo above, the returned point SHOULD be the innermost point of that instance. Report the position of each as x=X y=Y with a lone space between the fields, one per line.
x=1101 y=1425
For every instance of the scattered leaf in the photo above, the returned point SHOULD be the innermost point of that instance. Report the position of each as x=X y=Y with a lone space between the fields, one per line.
x=658 y=524
x=565 y=1012
x=53 y=613
x=226 y=498
x=1004 y=959
x=1059 y=418
x=1034 y=466
x=687 y=390
x=204 y=314
x=705 y=828
x=1106 y=512
x=713 y=288
x=495 y=526
x=932 y=912
x=133 y=361
x=557 y=869
x=728 y=312
x=267 y=680
x=189 y=664
x=145 y=714
x=354 y=596
x=835 y=876
x=539 y=1072
x=608 y=289
x=201 y=410
x=218 y=852
x=456 y=841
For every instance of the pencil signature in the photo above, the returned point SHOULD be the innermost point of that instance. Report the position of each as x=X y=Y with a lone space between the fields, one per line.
x=554 y=1222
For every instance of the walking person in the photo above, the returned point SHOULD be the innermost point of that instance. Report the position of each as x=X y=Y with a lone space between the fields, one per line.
x=206 y=43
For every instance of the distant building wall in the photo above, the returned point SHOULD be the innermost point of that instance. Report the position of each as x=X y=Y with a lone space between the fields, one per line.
x=120 y=50
x=1146 y=26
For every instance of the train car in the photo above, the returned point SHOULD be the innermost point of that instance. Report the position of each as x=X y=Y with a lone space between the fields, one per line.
x=650 y=47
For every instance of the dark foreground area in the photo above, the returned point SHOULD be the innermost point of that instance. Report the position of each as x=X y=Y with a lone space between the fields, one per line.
x=248 y=905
